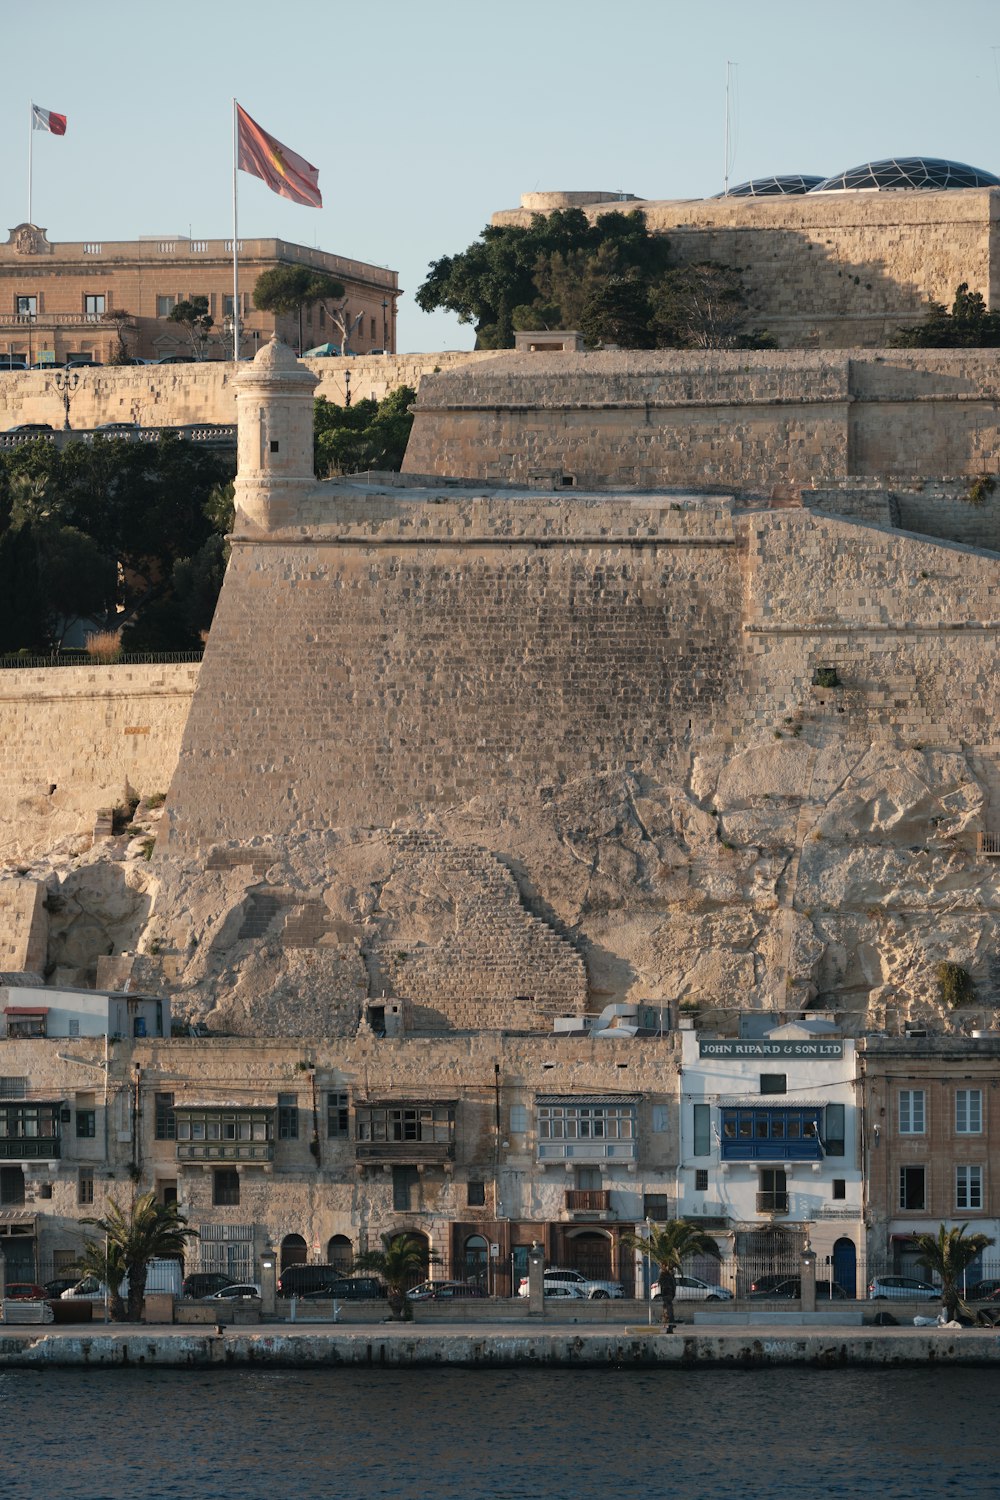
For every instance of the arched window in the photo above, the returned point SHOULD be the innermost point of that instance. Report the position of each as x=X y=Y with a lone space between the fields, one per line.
x=340 y=1253
x=293 y=1251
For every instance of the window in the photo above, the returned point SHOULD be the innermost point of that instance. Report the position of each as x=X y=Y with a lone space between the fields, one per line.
x=85 y=1186
x=476 y=1194
x=968 y=1111
x=593 y=1128
x=405 y=1183
x=288 y=1117
x=13 y=1088
x=913 y=1188
x=774 y=1083
x=27 y=307
x=227 y=307
x=771 y=1132
x=29 y=1122
x=93 y=306
x=86 y=1124
x=518 y=1119
x=373 y=330
x=168 y=1194
x=834 y=1124
x=11 y=1187
x=773 y=1195
x=701 y=1180
x=416 y=1124
x=338 y=1116
x=661 y=1119
x=657 y=1206
x=969 y=1187
x=702 y=1130
x=165 y=306
x=165 y=1127
x=226 y=1187
x=911 y=1112
x=840 y=1187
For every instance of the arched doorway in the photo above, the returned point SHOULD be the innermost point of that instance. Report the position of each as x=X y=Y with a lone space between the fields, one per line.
x=340 y=1253
x=845 y=1265
x=476 y=1261
x=293 y=1251
x=589 y=1252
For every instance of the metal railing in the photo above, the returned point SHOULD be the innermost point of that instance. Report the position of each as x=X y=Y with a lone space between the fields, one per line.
x=988 y=845
x=81 y=659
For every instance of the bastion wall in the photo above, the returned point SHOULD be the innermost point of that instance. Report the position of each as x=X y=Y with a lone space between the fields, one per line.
x=830 y=270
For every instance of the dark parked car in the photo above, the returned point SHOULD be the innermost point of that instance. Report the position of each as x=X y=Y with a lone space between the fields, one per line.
x=768 y=1283
x=445 y=1291
x=985 y=1291
x=31 y=427
x=791 y=1288
x=348 y=1289
x=205 y=1283
x=60 y=1284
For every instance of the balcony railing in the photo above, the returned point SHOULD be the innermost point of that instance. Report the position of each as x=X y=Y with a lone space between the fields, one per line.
x=772 y=1203
x=225 y=1150
x=588 y=1200
x=29 y=1148
x=988 y=845
x=410 y=1152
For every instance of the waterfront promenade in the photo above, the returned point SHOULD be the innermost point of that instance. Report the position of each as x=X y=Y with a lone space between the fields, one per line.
x=523 y=1343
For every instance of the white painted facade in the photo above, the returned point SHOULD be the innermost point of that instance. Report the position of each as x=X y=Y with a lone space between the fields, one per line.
x=64 y=1013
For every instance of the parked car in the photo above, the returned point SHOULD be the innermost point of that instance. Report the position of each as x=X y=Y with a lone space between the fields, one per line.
x=903 y=1289
x=31 y=427
x=566 y=1289
x=60 y=1284
x=445 y=1291
x=345 y=1289
x=205 y=1283
x=556 y=1275
x=163 y=1274
x=239 y=1291
x=24 y=1291
x=47 y=364
x=116 y=427
x=13 y=362
x=300 y=1281
x=177 y=359
x=89 y=1288
x=985 y=1291
x=769 y=1282
x=791 y=1288
x=693 y=1289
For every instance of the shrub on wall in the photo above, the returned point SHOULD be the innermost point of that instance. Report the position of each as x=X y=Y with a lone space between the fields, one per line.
x=955 y=985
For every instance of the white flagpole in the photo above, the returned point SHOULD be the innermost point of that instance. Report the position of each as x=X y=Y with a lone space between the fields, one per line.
x=31 y=132
x=236 y=259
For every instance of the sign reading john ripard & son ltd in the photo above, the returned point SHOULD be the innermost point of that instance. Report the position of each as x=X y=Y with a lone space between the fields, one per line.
x=833 y=1047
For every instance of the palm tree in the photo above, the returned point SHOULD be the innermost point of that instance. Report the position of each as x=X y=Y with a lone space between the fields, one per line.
x=671 y=1243
x=403 y=1259
x=133 y=1235
x=946 y=1255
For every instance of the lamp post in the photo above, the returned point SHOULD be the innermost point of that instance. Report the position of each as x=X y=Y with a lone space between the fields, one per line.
x=268 y=1292
x=65 y=384
x=347 y=388
x=536 y=1280
x=385 y=325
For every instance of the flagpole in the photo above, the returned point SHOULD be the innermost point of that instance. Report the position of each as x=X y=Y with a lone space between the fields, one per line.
x=236 y=258
x=31 y=133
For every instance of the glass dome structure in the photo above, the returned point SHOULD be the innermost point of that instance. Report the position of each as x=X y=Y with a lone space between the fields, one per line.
x=907 y=172
x=772 y=187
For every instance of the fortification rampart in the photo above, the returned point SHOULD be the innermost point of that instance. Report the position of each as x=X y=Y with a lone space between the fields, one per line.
x=155 y=395
x=80 y=739
x=833 y=270
x=765 y=422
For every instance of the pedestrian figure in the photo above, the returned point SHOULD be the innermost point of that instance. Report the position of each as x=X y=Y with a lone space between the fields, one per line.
x=668 y=1291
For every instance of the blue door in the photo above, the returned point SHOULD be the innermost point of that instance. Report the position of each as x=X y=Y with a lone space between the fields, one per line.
x=845 y=1266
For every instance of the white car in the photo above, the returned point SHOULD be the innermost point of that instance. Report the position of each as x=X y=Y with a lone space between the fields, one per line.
x=240 y=1291
x=89 y=1289
x=556 y=1276
x=693 y=1289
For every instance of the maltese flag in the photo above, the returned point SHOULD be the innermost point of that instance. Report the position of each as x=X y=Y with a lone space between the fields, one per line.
x=47 y=119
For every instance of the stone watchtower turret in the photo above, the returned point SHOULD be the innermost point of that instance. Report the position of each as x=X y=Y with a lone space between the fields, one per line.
x=274 y=409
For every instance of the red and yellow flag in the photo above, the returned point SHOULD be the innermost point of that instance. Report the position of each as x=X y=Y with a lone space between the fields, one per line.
x=283 y=171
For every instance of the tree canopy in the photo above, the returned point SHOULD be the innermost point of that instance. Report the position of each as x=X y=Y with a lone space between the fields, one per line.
x=128 y=535
x=612 y=279
x=368 y=435
x=401 y=1262
x=947 y=1254
x=194 y=317
x=672 y=1243
x=133 y=1234
x=969 y=325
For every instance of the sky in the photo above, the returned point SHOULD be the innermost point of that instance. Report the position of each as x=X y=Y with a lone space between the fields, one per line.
x=424 y=119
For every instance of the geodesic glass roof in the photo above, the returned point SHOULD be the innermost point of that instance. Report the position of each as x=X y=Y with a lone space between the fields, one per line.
x=902 y=172
x=772 y=187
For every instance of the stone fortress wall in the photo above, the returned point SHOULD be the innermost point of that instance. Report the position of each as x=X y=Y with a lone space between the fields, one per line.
x=826 y=270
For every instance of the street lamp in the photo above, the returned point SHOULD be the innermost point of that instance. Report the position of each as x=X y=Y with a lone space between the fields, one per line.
x=347 y=387
x=65 y=384
x=268 y=1290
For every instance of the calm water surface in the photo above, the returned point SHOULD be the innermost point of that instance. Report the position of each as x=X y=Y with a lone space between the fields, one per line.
x=507 y=1435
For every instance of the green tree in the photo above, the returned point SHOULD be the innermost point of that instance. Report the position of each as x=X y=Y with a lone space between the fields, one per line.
x=288 y=289
x=402 y=1262
x=134 y=1234
x=368 y=435
x=969 y=325
x=194 y=317
x=670 y=1244
x=123 y=323
x=947 y=1255
x=703 y=306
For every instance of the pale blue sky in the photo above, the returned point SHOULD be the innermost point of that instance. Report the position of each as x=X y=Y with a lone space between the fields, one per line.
x=425 y=117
